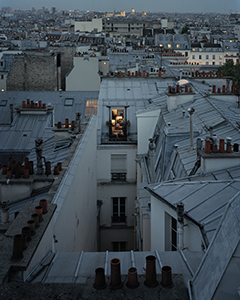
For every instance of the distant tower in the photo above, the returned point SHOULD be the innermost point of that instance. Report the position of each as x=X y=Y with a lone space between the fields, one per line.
x=53 y=10
x=132 y=10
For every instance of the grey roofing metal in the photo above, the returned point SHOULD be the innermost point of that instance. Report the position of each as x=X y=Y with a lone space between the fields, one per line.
x=218 y=274
x=204 y=201
x=51 y=98
x=21 y=134
x=221 y=115
x=120 y=92
x=51 y=152
x=78 y=267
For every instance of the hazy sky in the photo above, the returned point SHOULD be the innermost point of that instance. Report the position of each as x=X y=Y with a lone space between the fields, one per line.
x=222 y=6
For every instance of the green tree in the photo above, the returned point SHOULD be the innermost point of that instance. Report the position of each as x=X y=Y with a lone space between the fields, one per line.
x=185 y=30
x=229 y=69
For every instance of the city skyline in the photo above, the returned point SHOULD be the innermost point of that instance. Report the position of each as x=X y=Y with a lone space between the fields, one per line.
x=187 y=6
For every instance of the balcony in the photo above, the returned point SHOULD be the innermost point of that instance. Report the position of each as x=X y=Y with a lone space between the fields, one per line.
x=119 y=177
x=119 y=220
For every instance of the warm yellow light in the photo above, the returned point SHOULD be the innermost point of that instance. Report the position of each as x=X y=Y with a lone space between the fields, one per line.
x=169 y=46
x=104 y=64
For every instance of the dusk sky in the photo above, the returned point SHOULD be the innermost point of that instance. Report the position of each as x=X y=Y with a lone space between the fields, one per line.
x=221 y=6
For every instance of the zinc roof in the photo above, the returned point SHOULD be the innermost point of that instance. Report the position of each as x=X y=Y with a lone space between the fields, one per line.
x=204 y=201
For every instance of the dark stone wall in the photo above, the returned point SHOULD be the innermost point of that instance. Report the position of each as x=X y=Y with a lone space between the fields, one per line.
x=67 y=54
x=33 y=73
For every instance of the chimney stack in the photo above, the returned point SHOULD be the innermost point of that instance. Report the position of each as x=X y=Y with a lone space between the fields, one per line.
x=152 y=157
x=39 y=148
x=191 y=111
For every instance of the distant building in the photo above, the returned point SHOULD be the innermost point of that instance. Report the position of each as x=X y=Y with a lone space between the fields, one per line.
x=89 y=26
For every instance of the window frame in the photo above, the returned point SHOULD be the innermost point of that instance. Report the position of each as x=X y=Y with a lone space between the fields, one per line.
x=119 y=210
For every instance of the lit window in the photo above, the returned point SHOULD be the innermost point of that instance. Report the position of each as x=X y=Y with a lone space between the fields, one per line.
x=104 y=64
x=169 y=46
x=193 y=50
x=68 y=102
x=220 y=56
x=178 y=46
x=226 y=54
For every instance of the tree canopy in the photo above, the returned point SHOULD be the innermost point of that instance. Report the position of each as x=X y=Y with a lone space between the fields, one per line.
x=229 y=69
x=185 y=30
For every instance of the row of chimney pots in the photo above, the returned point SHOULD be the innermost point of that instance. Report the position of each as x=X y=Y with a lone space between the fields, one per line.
x=211 y=145
x=19 y=170
x=21 y=240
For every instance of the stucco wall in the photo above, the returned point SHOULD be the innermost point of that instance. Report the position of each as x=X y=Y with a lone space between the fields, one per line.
x=146 y=123
x=84 y=76
x=192 y=238
x=75 y=225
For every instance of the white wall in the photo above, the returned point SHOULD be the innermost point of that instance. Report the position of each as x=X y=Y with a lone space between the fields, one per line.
x=192 y=238
x=84 y=75
x=146 y=123
x=88 y=26
x=76 y=215
x=213 y=163
x=106 y=190
x=104 y=161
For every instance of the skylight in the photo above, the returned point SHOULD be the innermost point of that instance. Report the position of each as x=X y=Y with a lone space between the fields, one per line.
x=68 y=102
x=3 y=102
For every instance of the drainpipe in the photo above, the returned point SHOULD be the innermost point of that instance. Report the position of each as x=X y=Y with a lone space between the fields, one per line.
x=152 y=156
x=180 y=212
x=199 y=147
x=211 y=131
x=191 y=110
x=180 y=74
x=99 y=204
x=11 y=112
x=59 y=70
x=77 y=127
x=39 y=148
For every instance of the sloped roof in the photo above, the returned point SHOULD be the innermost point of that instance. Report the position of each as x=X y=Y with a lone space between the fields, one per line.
x=20 y=135
x=204 y=201
x=218 y=274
